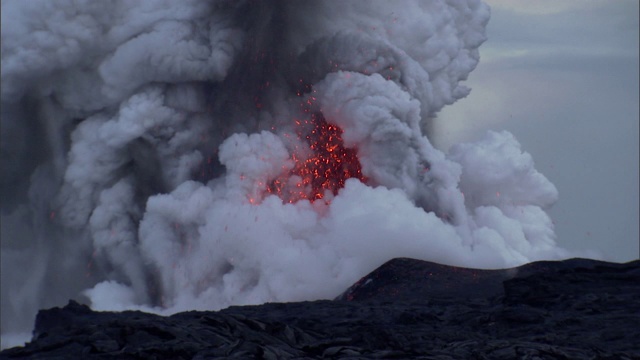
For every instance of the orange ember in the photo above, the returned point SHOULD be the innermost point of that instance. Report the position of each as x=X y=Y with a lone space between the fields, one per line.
x=326 y=168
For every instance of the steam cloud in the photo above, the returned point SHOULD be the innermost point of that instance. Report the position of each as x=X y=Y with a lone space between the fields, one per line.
x=139 y=140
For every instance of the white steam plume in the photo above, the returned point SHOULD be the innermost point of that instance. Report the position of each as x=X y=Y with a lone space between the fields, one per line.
x=141 y=141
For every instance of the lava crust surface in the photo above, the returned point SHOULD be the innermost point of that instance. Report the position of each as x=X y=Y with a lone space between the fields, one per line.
x=406 y=309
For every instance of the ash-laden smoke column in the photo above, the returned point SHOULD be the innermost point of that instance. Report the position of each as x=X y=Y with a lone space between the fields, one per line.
x=171 y=155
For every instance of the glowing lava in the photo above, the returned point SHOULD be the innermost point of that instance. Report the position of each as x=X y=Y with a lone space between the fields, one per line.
x=320 y=170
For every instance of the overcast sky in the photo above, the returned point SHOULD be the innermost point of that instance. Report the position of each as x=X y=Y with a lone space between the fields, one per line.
x=562 y=76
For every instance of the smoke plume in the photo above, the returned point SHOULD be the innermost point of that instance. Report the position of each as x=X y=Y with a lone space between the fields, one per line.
x=172 y=155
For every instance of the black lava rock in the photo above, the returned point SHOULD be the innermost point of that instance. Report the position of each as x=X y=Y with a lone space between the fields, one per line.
x=406 y=309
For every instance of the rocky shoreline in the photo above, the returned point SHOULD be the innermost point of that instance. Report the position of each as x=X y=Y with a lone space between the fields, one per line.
x=405 y=309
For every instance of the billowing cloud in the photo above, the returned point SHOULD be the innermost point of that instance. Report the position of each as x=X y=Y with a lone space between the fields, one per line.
x=200 y=154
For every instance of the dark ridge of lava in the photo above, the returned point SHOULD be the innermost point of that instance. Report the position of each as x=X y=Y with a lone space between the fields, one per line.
x=411 y=279
x=405 y=309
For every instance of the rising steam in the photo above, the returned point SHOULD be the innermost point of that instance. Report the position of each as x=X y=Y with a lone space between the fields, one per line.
x=172 y=155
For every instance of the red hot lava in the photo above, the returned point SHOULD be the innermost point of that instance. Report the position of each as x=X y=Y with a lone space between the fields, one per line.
x=320 y=170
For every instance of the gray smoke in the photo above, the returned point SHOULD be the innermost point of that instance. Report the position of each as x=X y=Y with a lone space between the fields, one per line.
x=139 y=139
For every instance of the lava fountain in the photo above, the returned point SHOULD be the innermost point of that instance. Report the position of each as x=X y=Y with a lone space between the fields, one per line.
x=322 y=163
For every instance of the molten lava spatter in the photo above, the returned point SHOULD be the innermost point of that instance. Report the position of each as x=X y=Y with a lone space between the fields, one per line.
x=321 y=169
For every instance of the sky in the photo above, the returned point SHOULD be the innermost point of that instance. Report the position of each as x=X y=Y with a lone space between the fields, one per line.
x=562 y=76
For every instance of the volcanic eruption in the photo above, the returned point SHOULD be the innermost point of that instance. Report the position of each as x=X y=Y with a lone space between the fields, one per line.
x=326 y=168
x=172 y=155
